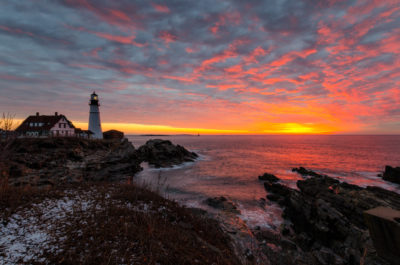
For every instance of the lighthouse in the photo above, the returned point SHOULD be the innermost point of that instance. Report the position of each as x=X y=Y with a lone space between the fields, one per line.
x=94 y=117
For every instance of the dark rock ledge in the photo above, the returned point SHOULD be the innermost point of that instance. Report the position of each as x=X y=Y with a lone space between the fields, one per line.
x=268 y=177
x=325 y=221
x=391 y=174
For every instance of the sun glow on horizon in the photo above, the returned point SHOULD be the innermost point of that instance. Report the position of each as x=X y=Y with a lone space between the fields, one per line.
x=298 y=128
x=284 y=128
x=270 y=128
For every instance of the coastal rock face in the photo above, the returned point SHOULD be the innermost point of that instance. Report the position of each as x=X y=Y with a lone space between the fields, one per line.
x=392 y=174
x=162 y=153
x=326 y=216
x=120 y=162
x=64 y=160
x=49 y=161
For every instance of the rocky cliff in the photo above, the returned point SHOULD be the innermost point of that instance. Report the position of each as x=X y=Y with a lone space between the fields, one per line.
x=51 y=161
x=57 y=160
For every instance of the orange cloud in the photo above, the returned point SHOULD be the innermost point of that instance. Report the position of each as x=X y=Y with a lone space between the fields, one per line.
x=120 y=39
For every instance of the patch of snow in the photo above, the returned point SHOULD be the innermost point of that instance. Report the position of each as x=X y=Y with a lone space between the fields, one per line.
x=27 y=234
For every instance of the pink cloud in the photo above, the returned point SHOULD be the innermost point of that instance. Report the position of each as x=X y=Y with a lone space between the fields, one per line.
x=161 y=8
x=167 y=36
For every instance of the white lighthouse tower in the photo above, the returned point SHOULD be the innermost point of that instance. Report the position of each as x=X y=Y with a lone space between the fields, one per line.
x=94 y=117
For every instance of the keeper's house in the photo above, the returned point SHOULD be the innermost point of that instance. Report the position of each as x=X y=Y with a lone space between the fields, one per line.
x=56 y=125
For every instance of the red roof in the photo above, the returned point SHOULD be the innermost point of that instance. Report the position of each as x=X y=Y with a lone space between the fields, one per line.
x=47 y=121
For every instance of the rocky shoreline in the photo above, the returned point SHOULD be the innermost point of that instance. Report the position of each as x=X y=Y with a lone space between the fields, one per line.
x=52 y=161
x=323 y=217
x=325 y=222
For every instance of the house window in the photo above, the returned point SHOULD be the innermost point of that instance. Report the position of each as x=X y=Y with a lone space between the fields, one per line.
x=31 y=124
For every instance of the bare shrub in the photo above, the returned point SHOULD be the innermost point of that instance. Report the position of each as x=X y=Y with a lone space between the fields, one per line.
x=7 y=121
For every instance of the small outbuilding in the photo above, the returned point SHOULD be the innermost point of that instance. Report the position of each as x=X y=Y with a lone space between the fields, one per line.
x=85 y=134
x=113 y=134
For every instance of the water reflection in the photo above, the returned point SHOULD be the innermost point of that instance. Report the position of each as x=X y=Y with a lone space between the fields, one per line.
x=229 y=166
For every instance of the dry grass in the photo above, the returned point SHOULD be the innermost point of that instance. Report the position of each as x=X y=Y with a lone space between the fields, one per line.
x=126 y=224
x=13 y=198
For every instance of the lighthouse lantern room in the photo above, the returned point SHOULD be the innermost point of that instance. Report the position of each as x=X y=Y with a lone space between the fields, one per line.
x=94 y=117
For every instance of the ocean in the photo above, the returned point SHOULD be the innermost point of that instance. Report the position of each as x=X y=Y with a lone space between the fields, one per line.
x=230 y=165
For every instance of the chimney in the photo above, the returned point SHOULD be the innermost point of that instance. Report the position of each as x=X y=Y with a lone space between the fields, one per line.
x=37 y=113
x=56 y=114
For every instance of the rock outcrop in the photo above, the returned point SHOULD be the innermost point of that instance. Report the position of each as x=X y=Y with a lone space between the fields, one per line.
x=49 y=161
x=392 y=174
x=268 y=177
x=326 y=218
x=162 y=153
x=223 y=204
x=65 y=160
x=305 y=172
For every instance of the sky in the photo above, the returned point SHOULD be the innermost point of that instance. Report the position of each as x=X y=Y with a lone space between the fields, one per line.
x=209 y=66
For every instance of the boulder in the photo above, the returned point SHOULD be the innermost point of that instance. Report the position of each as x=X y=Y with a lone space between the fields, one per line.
x=222 y=203
x=268 y=177
x=392 y=174
x=113 y=134
x=162 y=153
x=384 y=227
